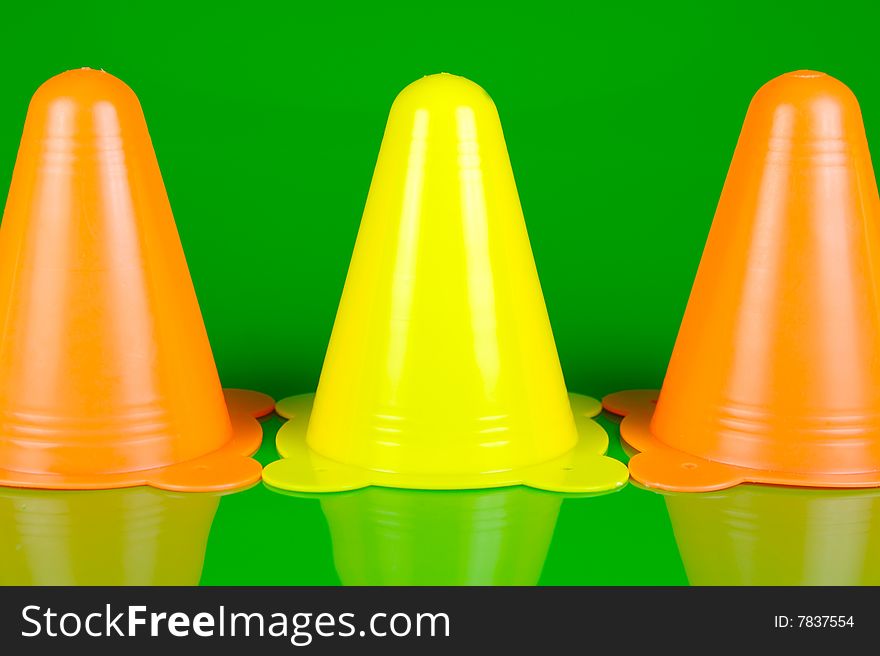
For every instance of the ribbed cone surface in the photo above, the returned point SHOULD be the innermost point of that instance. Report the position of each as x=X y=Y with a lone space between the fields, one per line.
x=442 y=359
x=777 y=363
x=105 y=365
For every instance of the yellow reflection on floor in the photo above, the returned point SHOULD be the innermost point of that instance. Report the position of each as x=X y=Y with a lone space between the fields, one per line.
x=384 y=536
x=133 y=536
x=764 y=535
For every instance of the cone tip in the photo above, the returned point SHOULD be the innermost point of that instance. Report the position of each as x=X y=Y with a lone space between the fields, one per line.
x=84 y=86
x=443 y=89
x=806 y=88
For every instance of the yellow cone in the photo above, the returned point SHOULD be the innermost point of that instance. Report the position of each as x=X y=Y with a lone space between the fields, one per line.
x=442 y=371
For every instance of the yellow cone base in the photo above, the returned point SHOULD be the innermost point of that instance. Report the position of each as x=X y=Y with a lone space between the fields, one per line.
x=584 y=469
x=227 y=468
x=660 y=466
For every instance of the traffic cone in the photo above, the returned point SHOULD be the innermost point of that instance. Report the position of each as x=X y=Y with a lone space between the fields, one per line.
x=442 y=371
x=770 y=535
x=135 y=536
x=106 y=375
x=403 y=537
x=775 y=375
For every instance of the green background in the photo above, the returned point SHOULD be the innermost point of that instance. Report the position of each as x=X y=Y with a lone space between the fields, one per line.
x=620 y=119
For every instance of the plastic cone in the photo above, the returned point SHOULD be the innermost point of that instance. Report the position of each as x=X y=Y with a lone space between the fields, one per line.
x=775 y=375
x=402 y=537
x=137 y=536
x=442 y=371
x=757 y=535
x=106 y=375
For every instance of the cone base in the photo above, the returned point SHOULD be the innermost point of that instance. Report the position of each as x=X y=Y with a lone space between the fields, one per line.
x=660 y=466
x=584 y=469
x=227 y=468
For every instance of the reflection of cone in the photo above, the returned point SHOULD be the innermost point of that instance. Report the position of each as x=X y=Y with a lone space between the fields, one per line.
x=136 y=536
x=106 y=375
x=441 y=370
x=400 y=537
x=775 y=376
x=756 y=535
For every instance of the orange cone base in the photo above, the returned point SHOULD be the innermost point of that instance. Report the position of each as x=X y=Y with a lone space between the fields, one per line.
x=663 y=467
x=228 y=468
x=582 y=470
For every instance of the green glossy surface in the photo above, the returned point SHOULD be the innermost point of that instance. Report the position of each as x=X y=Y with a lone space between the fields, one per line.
x=620 y=120
x=378 y=536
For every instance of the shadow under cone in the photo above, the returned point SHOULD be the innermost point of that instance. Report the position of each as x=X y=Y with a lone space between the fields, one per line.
x=136 y=536
x=402 y=537
x=757 y=535
x=442 y=371
x=775 y=375
x=106 y=374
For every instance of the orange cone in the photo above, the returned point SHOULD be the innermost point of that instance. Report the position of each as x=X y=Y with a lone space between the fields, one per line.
x=106 y=375
x=775 y=376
